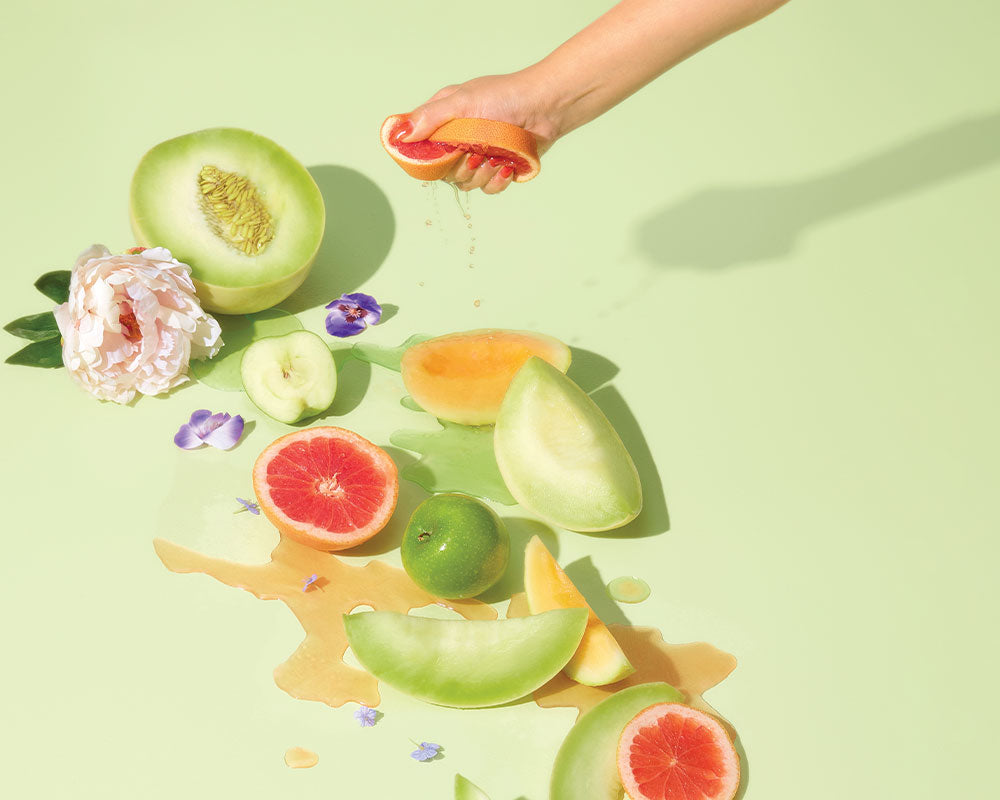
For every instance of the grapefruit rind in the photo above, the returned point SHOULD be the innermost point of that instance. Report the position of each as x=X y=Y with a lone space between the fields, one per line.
x=643 y=747
x=599 y=660
x=465 y=663
x=463 y=377
x=315 y=536
x=586 y=764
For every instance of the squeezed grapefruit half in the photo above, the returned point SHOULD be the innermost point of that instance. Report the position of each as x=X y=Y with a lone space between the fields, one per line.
x=432 y=158
x=671 y=751
x=326 y=487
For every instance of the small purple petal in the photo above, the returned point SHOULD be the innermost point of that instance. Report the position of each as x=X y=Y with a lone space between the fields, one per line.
x=227 y=433
x=253 y=508
x=198 y=420
x=365 y=301
x=338 y=325
x=186 y=438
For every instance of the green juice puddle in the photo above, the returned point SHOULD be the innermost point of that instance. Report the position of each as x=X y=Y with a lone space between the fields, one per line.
x=628 y=589
x=238 y=332
x=388 y=357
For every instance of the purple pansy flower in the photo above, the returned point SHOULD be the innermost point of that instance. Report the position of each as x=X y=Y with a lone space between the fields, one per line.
x=253 y=508
x=351 y=314
x=427 y=751
x=218 y=430
x=365 y=716
x=307 y=582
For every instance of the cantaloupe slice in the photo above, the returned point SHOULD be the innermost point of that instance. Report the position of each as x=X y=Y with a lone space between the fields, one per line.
x=599 y=659
x=462 y=377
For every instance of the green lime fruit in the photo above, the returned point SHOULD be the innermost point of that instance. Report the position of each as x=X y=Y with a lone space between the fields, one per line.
x=587 y=762
x=466 y=663
x=455 y=546
x=238 y=208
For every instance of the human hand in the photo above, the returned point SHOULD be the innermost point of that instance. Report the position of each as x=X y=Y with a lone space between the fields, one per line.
x=505 y=98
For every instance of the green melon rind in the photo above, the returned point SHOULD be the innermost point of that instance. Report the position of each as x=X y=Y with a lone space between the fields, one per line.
x=164 y=211
x=465 y=663
x=586 y=765
x=467 y=790
x=560 y=456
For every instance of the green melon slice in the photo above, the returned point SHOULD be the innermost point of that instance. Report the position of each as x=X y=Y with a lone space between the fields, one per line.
x=586 y=765
x=560 y=456
x=465 y=663
x=238 y=208
x=467 y=790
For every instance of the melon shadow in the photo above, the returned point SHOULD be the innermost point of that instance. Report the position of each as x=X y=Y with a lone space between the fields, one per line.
x=726 y=226
x=360 y=227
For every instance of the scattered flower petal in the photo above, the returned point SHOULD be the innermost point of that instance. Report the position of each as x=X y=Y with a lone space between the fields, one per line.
x=351 y=314
x=365 y=716
x=218 y=430
x=307 y=582
x=427 y=751
x=253 y=508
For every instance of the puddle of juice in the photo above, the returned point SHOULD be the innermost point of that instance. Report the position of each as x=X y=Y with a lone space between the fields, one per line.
x=300 y=758
x=457 y=458
x=388 y=357
x=410 y=403
x=223 y=371
x=628 y=589
x=692 y=668
x=316 y=670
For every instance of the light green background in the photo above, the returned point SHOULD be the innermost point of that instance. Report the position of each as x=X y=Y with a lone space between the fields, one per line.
x=788 y=246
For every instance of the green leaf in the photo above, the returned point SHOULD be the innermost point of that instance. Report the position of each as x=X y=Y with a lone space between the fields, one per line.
x=46 y=353
x=36 y=327
x=54 y=285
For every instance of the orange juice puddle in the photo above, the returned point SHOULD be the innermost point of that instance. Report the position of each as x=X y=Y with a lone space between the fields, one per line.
x=300 y=758
x=317 y=670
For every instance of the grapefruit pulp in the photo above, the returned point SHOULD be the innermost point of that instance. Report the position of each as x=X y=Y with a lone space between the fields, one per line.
x=326 y=487
x=671 y=751
x=433 y=158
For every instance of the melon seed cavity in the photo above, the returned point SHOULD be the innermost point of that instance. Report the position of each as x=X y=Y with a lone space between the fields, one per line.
x=234 y=210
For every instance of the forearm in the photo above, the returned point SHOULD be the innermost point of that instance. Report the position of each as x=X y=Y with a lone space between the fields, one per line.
x=628 y=47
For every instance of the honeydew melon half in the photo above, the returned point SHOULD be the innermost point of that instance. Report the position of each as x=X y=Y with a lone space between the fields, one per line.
x=238 y=208
x=560 y=456
x=465 y=663
x=586 y=765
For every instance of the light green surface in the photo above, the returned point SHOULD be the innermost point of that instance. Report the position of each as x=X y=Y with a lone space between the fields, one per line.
x=788 y=249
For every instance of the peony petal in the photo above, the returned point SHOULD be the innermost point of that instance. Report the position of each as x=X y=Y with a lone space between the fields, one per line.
x=227 y=434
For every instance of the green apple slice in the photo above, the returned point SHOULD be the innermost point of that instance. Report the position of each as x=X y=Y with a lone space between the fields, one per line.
x=587 y=764
x=465 y=663
x=560 y=456
x=467 y=790
x=290 y=377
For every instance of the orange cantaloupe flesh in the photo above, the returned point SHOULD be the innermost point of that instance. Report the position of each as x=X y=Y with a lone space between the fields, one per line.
x=599 y=660
x=462 y=377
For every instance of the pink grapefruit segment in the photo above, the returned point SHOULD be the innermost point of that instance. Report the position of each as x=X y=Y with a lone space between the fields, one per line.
x=433 y=158
x=671 y=751
x=326 y=487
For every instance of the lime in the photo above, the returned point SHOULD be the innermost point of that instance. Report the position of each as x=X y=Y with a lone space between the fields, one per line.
x=455 y=546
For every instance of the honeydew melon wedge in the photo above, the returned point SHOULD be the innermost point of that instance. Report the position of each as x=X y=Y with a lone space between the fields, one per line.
x=560 y=456
x=586 y=765
x=465 y=663
x=238 y=208
x=599 y=659
x=467 y=790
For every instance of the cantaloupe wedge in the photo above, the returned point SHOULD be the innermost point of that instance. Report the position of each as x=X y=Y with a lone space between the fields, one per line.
x=599 y=659
x=462 y=377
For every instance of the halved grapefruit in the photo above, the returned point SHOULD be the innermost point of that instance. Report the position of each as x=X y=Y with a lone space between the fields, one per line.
x=432 y=158
x=326 y=487
x=671 y=751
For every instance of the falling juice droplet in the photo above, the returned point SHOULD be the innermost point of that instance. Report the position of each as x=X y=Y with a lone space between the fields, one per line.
x=428 y=223
x=300 y=758
x=628 y=589
x=475 y=303
x=472 y=249
x=420 y=283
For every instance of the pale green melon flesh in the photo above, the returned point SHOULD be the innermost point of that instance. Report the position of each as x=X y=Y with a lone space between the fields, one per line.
x=586 y=765
x=165 y=211
x=465 y=663
x=560 y=456
x=290 y=377
x=467 y=790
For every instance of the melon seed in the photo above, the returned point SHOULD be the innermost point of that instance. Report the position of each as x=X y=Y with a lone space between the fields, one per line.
x=234 y=210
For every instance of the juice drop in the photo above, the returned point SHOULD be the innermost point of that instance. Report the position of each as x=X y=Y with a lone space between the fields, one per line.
x=628 y=589
x=300 y=758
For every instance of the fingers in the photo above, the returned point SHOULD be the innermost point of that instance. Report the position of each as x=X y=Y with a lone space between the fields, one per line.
x=477 y=172
x=432 y=115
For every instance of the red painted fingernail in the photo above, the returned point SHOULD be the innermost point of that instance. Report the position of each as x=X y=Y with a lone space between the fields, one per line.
x=495 y=161
x=475 y=160
x=402 y=131
x=506 y=171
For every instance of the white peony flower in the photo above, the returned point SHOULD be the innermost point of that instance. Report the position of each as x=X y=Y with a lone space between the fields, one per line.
x=132 y=323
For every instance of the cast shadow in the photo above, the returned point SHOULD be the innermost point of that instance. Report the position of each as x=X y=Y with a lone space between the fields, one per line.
x=360 y=227
x=590 y=370
x=593 y=587
x=520 y=530
x=410 y=496
x=654 y=517
x=724 y=226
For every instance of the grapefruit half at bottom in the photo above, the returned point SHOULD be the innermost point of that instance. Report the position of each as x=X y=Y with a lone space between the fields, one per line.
x=671 y=751
x=432 y=158
x=326 y=487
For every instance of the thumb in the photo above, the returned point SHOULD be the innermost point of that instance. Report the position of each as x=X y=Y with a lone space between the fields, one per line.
x=426 y=119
